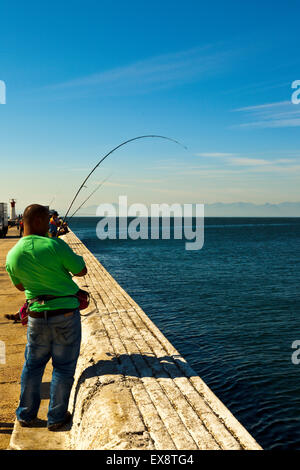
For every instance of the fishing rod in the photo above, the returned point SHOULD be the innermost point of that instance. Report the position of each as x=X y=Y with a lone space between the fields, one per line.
x=52 y=200
x=109 y=153
x=98 y=187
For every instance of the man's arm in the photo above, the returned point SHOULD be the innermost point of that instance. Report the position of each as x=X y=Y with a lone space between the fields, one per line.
x=71 y=261
x=14 y=279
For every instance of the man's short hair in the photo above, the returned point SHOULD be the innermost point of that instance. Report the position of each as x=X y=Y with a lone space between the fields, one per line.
x=34 y=211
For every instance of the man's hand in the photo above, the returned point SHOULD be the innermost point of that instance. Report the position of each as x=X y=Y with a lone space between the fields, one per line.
x=20 y=287
x=82 y=272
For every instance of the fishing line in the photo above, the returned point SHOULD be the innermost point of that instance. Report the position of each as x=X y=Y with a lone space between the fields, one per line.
x=109 y=153
x=53 y=199
x=98 y=187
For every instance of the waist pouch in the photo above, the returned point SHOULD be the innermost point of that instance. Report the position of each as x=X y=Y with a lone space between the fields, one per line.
x=82 y=295
x=23 y=313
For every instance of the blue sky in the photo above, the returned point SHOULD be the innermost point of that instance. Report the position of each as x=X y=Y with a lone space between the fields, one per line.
x=83 y=76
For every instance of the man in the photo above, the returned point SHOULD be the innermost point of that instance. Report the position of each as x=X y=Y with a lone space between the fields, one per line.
x=21 y=228
x=53 y=224
x=63 y=229
x=41 y=266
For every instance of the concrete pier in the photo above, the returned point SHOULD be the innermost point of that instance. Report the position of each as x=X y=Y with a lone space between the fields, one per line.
x=132 y=389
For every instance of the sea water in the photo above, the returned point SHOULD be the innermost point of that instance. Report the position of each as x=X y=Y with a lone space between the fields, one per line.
x=232 y=309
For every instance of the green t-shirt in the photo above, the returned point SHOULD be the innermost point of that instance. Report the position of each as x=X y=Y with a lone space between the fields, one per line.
x=43 y=266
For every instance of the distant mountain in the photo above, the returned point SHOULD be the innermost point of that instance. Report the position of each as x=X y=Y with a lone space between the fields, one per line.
x=247 y=209
x=235 y=209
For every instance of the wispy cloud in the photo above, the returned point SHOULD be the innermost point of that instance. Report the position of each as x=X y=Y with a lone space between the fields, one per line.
x=116 y=184
x=215 y=154
x=248 y=161
x=247 y=171
x=150 y=181
x=153 y=73
x=284 y=165
x=265 y=106
x=288 y=170
x=272 y=115
x=253 y=88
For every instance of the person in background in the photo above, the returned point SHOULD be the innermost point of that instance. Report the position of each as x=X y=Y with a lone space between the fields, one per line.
x=21 y=228
x=13 y=316
x=63 y=229
x=42 y=266
x=53 y=225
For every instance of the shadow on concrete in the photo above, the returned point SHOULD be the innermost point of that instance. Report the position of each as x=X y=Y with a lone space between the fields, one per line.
x=8 y=428
x=134 y=365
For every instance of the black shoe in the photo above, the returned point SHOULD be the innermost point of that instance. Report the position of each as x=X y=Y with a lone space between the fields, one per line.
x=55 y=426
x=26 y=424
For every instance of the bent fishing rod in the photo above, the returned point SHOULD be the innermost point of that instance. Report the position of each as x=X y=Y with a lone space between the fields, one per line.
x=109 y=153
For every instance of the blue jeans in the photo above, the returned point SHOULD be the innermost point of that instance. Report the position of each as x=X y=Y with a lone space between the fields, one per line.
x=58 y=338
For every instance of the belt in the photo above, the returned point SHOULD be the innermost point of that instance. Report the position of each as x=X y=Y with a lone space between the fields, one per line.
x=50 y=313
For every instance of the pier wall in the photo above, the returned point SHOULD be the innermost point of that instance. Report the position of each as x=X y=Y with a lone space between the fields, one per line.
x=132 y=389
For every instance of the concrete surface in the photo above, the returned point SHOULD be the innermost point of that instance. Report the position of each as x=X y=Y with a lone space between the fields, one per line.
x=13 y=336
